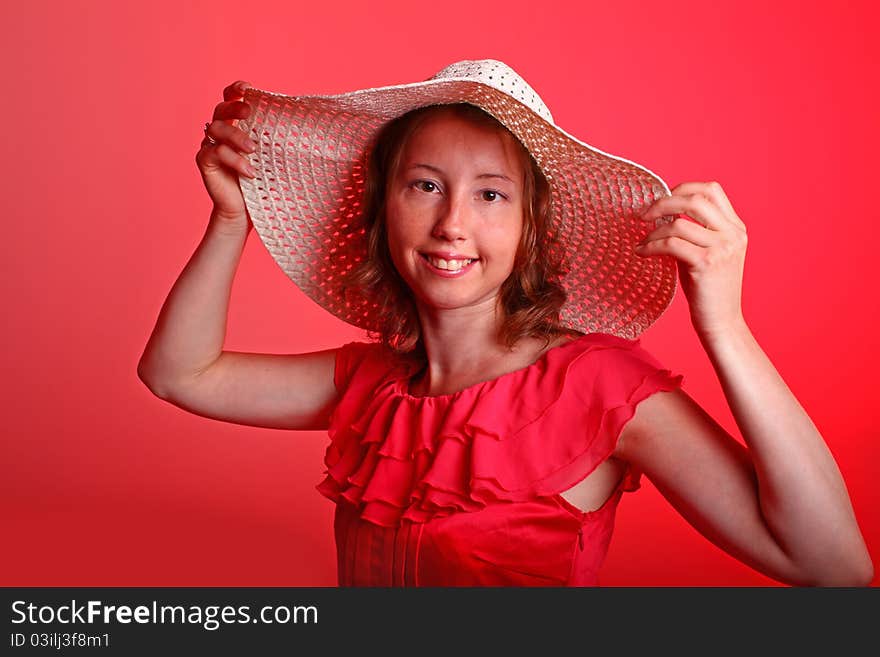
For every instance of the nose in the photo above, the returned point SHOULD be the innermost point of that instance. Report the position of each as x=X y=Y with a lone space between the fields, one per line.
x=452 y=219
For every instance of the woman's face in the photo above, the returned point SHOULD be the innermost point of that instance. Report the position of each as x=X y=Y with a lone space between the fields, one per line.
x=456 y=196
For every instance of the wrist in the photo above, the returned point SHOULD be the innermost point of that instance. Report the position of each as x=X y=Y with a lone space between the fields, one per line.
x=233 y=226
x=732 y=331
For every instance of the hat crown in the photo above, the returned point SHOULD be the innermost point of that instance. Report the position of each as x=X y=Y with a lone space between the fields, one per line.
x=500 y=76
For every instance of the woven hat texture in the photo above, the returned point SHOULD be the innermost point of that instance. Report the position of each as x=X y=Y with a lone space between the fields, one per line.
x=305 y=202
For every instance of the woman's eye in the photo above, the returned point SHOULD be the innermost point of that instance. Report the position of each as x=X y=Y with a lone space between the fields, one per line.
x=430 y=187
x=425 y=185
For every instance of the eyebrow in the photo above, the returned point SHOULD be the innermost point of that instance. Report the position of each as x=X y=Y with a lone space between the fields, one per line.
x=482 y=175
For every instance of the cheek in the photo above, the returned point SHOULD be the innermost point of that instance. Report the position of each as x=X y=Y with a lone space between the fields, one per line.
x=395 y=237
x=404 y=228
x=506 y=241
x=398 y=244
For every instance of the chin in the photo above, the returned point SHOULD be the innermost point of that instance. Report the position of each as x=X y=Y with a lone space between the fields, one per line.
x=460 y=299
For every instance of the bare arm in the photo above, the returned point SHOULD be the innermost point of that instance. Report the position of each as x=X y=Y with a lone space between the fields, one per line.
x=191 y=328
x=778 y=504
x=184 y=362
x=802 y=494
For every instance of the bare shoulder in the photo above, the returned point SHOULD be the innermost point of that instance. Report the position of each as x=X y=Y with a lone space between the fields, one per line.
x=662 y=413
x=686 y=454
x=707 y=475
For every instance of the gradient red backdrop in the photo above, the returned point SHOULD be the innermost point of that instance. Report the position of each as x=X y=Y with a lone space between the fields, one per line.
x=104 y=485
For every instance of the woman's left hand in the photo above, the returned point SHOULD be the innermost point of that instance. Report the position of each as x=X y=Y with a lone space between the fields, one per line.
x=710 y=251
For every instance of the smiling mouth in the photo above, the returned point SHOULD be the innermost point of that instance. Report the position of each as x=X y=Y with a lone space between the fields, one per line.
x=448 y=265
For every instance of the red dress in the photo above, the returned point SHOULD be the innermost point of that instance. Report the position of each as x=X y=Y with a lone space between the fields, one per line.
x=464 y=489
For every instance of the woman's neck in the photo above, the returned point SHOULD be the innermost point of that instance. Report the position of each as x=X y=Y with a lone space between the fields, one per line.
x=462 y=348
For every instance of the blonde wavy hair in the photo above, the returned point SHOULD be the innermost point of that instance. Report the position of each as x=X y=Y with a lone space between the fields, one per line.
x=531 y=297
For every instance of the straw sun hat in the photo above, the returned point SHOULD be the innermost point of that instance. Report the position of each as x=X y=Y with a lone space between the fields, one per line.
x=310 y=160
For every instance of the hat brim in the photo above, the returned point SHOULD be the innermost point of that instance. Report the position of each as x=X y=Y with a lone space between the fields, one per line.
x=305 y=202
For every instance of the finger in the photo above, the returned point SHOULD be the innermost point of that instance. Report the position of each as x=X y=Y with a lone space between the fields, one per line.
x=219 y=132
x=675 y=246
x=689 y=230
x=715 y=193
x=231 y=110
x=695 y=206
x=235 y=90
x=223 y=133
x=222 y=154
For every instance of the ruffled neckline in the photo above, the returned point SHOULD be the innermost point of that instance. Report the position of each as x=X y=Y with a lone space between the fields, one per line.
x=400 y=457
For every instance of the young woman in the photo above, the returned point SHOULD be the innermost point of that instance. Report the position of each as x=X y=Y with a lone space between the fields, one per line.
x=487 y=433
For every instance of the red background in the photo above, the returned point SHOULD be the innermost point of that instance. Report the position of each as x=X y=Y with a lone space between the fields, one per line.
x=103 y=484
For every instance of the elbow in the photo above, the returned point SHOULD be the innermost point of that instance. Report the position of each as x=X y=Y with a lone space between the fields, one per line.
x=866 y=574
x=857 y=575
x=154 y=384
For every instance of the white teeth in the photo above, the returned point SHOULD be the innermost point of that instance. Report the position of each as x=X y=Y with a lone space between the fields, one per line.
x=451 y=265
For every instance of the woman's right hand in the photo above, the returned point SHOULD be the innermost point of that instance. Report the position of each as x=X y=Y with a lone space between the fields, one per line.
x=221 y=163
